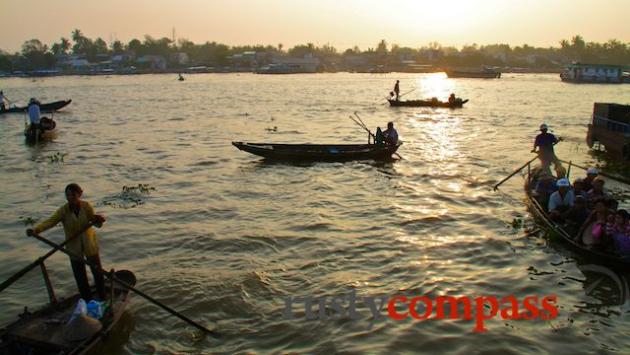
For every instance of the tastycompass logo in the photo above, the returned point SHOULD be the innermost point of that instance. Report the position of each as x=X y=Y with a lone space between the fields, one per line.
x=478 y=309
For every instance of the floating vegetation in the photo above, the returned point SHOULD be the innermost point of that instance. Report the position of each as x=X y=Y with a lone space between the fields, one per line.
x=274 y=129
x=130 y=197
x=28 y=221
x=57 y=157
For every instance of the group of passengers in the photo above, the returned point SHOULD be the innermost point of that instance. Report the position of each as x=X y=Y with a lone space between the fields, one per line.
x=584 y=207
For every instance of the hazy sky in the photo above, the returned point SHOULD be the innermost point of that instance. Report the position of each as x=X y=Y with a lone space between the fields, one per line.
x=342 y=23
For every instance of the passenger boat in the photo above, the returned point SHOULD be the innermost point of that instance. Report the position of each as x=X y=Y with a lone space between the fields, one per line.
x=44 y=135
x=44 y=108
x=319 y=152
x=42 y=331
x=427 y=103
x=540 y=213
x=483 y=74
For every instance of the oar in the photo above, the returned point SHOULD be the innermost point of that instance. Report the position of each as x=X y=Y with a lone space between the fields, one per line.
x=514 y=173
x=620 y=179
x=408 y=92
x=8 y=282
x=113 y=278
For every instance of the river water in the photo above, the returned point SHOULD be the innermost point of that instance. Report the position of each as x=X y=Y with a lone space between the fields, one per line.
x=225 y=237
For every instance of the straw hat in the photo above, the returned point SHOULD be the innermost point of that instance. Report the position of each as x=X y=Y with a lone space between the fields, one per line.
x=81 y=328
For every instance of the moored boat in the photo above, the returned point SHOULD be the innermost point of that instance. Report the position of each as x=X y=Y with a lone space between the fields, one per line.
x=44 y=108
x=596 y=255
x=319 y=152
x=45 y=331
x=427 y=103
x=483 y=74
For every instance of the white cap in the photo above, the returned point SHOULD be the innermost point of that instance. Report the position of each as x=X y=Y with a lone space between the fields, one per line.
x=563 y=183
x=544 y=126
x=592 y=171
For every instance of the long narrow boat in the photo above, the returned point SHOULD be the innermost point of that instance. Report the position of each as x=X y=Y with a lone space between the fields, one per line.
x=540 y=213
x=427 y=103
x=319 y=152
x=44 y=108
x=42 y=331
x=484 y=74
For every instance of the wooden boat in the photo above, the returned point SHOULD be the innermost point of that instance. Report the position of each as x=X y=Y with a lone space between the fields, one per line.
x=427 y=103
x=44 y=108
x=41 y=332
x=319 y=152
x=540 y=213
x=484 y=74
x=44 y=135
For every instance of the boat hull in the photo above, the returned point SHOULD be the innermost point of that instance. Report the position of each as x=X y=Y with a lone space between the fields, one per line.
x=41 y=332
x=44 y=108
x=318 y=152
x=45 y=135
x=427 y=103
x=474 y=75
x=593 y=255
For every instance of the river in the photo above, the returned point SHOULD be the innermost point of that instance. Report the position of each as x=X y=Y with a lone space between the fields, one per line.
x=225 y=237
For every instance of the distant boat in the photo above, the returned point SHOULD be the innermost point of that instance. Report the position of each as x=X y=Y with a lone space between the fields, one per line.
x=181 y=78
x=318 y=152
x=486 y=73
x=284 y=69
x=595 y=73
x=44 y=108
x=427 y=103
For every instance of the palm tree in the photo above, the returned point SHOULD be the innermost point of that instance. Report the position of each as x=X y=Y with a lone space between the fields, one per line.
x=65 y=45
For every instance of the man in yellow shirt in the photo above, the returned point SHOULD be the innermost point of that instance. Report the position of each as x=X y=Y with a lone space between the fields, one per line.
x=75 y=216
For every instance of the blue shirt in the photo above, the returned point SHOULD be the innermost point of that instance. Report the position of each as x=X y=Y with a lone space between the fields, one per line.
x=545 y=141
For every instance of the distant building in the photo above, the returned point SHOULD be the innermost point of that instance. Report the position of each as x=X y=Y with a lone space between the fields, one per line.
x=180 y=58
x=593 y=73
x=153 y=61
x=291 y=65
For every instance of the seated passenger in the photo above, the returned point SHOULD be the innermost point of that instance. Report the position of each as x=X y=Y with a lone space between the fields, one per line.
x=591 y=174
x=593 y=231
x=379 y=137
x=578 y=188
x=577 y=215
x=545 y=186
x=597 y=192
x=452 y=99
x=620 y=232
x=391 y=135
x=561 y=200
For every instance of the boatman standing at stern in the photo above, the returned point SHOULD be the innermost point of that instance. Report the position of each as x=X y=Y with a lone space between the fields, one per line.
x=2 y=99
x=78 y=216
x=545 y=142
x=391 y=135
x=397 y=89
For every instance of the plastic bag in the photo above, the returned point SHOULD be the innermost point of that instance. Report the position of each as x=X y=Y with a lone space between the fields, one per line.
x=81 y=308
x=95 y=309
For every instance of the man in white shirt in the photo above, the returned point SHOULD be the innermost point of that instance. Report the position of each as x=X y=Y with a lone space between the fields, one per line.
x=561 y=200
x=391 y=135
x=34 y=113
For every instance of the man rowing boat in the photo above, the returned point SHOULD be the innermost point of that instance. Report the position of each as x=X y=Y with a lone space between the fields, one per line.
x=390 y=134
x=75 y=216
x=545 y=142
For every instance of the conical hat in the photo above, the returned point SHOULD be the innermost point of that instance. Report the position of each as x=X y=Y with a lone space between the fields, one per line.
x=81 y=328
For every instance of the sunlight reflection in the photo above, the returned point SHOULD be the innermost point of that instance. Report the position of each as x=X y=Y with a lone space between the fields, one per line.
x=435 y=85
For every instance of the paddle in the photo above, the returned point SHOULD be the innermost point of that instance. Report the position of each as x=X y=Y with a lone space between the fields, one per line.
x=8 y=282
x=514 y=173
x=408 y=92
x=113 y=278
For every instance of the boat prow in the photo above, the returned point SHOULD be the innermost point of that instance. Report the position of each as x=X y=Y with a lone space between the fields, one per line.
x=42 y=331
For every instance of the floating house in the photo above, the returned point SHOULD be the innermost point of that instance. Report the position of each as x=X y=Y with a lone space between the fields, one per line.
x=594 y=73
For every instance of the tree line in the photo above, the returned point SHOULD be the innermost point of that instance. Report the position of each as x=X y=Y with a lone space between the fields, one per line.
x=35 y=55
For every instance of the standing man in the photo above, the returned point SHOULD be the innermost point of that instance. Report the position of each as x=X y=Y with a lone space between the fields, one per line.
x=545 y=142
x=397 y=89
x=2 y=100
x=76 y=216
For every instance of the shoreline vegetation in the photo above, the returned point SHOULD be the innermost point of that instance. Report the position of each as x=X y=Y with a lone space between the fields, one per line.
x=81 y=55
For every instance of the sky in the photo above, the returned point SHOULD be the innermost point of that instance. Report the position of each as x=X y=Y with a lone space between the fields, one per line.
x=341 y=23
